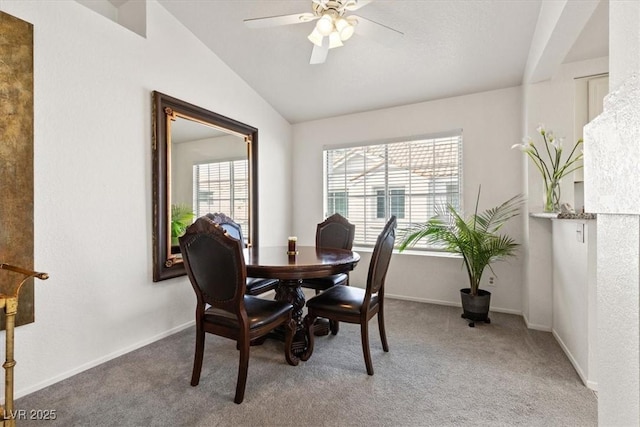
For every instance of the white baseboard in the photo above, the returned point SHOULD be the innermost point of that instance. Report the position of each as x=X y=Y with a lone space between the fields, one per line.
x=534 y=326
x=99 y=361
x=449 y=303
x=593 y=385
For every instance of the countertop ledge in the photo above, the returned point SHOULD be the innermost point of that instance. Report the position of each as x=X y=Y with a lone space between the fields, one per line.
x=550 y=215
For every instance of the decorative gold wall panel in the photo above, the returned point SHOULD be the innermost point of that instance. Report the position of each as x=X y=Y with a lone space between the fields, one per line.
x=16 y=158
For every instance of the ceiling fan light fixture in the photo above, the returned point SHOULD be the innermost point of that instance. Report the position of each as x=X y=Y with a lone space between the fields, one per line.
x=315 y=37
x=333 y=25
x=325 y=25
x=334 y=40
x=344 y=28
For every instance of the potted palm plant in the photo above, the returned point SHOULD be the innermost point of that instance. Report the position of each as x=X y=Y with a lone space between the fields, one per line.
x=477 y=239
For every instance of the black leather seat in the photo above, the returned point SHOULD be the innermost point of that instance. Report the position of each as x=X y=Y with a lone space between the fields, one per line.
x=344 y=301
x=215 y=264
x=324 y=283
x=356 y=305
x=255 y=285
x=259 y=310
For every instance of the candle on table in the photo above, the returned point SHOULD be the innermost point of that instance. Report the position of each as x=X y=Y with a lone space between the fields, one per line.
x=292 y=243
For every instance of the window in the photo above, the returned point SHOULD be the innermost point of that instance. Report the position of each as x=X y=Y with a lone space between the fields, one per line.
x=394 y=201
x=222 y=187
x=409 y=179
x=337 y=202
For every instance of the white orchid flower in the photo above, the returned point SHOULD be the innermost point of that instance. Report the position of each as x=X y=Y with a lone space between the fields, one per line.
x=550 y=137
x=548 y=161
x=557 y=143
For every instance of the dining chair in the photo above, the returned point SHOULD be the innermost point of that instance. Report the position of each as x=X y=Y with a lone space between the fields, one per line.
x=216 y=268
x=334 y=232
x=356 y=305
x=255 y=285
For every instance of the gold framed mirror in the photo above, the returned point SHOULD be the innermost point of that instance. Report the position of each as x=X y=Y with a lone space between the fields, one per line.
x=202 y=162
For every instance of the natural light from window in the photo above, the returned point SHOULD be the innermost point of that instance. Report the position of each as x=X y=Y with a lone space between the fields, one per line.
x=406 y=178
x=222 y=187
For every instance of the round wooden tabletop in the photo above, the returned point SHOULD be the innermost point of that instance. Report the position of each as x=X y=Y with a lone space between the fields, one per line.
x=309 y=262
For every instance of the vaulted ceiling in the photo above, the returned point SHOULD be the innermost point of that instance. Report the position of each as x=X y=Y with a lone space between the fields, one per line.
x=448 y=48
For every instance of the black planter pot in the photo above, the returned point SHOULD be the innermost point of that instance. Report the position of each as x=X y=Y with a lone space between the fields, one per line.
x=475 y=308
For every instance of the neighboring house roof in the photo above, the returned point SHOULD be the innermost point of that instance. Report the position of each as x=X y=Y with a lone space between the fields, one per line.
x=429 y=158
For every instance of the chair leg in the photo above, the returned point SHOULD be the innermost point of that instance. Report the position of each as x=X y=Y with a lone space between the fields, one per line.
x=364 y=331
x=197 y=359
x=309 y=320
x=334 y=326
x=242 y=370
x=290 y=330
x=383 y=334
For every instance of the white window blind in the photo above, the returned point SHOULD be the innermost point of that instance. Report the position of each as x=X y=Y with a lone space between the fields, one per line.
x=409 y=179
x=222 y=187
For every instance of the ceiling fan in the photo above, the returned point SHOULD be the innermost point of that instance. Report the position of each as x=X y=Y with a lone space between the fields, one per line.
x=333 y=26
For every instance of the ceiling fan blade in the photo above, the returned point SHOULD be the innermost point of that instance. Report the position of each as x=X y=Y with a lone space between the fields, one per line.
x=319 y=53
x=274 y=21
x=375 y=30
x=356 y=4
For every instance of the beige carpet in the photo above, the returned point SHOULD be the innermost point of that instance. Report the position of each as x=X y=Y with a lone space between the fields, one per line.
x=439 y=372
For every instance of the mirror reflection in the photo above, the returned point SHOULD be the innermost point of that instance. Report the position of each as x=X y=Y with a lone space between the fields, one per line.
x=203 y=163
x=209 y=173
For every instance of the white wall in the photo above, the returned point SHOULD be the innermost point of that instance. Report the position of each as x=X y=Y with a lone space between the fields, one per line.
x=574 y=294
x=612 y=189
x=552 y=103
x=491 y=123
x=93 y=84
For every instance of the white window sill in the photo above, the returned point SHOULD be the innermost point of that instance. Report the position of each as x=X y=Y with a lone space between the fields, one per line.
x=435 y=254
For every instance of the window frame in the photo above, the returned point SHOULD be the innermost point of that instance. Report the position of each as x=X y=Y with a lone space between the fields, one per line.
x=445 y=177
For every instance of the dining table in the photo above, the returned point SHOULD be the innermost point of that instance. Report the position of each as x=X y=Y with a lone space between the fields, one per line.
x=290 y=268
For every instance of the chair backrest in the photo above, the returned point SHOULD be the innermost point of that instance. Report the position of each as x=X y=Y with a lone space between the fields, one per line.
x=215 y=265
x=335 y=232
x=232 y=227
x=381 y=257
